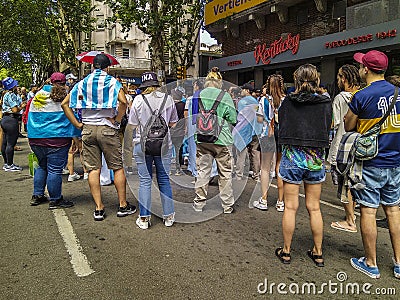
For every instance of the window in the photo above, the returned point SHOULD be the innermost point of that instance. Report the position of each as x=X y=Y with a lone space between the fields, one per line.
x=125 y=52
x=100 y=22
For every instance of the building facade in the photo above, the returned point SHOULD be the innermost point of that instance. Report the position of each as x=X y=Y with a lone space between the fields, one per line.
x=130 y=48
x=262 y=37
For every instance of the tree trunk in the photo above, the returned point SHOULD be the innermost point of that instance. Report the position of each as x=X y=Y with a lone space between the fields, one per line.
x=157 y=52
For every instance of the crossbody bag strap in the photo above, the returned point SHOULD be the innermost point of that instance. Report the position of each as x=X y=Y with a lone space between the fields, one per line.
x=148 y=104
x=396 y=94
x=163 y=104
x=218 y=100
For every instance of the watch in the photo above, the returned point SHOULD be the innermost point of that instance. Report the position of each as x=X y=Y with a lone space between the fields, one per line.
x=117 y=124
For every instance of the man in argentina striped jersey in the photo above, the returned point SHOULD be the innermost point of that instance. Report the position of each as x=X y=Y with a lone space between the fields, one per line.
x=103 y=104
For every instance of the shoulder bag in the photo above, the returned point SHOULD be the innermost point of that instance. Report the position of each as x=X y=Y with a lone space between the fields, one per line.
x=366 y=145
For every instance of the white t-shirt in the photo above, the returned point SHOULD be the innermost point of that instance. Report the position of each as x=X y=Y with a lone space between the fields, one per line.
x=98 y=117
x=140 y=112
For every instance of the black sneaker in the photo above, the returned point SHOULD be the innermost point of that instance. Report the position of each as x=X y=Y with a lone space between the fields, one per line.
x=127 y=210
x=60 y=203
x=99 y=215
x=36 y=200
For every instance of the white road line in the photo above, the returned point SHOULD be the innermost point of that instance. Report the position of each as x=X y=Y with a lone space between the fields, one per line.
x=323 y=202
x=79 y=262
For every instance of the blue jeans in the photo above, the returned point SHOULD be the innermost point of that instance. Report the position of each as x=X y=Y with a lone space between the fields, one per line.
x=51 y=164
x=145 y=171
x=382 y=186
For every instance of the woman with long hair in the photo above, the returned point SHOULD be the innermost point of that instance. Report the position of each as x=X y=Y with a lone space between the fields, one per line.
x=304 y=123
x=50 y=134
x=275 y=89
x=144 y=105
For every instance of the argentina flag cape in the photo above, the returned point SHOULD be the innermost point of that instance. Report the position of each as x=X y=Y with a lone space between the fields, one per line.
x=97 y=91
x=47 y=119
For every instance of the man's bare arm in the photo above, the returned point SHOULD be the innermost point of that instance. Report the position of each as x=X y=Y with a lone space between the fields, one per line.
x=69 y=113
x=350 y=121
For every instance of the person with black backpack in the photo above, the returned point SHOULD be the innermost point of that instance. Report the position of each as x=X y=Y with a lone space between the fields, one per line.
x=216 y=111
x=153 y=113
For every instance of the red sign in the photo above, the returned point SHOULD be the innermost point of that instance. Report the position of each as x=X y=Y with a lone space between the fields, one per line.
x=360 y=39
x=277 y=47
x=234 y=63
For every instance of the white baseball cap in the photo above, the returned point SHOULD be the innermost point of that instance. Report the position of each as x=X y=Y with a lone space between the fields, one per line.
x=71 y=76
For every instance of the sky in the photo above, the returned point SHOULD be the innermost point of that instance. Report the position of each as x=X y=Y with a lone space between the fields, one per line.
x=206 y=38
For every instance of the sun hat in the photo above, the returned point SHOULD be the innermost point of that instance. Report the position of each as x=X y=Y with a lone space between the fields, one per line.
x=9 y=83
x=57 y=77
x=101 y=61
x=149 y=79
x=375 y=60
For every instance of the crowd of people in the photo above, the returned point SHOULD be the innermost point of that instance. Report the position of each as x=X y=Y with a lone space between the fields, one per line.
x=282 y=133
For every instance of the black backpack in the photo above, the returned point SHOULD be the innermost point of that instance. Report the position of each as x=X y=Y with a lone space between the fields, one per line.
x=154 y=131
x=208 y=127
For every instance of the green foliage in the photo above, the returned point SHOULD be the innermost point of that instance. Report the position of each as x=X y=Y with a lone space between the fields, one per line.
x=173 y=26
x=41 y=35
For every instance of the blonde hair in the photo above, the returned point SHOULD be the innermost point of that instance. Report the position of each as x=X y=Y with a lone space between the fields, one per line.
x=306 y=79
x=214 y=78
x=149 y=90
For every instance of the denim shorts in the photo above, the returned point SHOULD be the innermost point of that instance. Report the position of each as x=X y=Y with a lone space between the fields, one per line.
x=382 y=186
x=291 y=173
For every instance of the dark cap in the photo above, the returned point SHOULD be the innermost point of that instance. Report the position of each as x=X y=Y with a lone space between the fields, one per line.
x=374 y=60
x=101 y=61
x=149 y=79
x=248 y=86
x=176 y=94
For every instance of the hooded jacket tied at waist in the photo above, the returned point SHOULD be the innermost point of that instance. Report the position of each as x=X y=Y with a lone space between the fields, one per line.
x=305 y=120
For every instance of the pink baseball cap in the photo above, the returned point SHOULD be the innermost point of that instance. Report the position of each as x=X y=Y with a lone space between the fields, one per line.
x=57 y=77
x=375 y=60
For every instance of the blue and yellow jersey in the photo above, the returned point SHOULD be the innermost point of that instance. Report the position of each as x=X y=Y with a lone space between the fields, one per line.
x=370 y=105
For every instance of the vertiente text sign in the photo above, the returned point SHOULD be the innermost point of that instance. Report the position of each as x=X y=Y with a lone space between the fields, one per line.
x=219 y=9
x=265 y=54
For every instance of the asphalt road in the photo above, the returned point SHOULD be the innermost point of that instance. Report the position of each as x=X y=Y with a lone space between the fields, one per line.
x=65 y=254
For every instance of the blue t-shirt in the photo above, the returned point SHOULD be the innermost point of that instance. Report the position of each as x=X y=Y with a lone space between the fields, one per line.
x=10 y=100
x=370 y=105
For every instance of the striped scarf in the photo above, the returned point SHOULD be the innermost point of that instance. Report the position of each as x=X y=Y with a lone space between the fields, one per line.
x=97 y=91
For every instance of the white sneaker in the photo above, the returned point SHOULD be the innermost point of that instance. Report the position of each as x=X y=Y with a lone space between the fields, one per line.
x=65 y=172
x=169 y=221
x=85 y=176
x=261 y=204
x=13 y=168
x=197 y=207
x=280 y=206
x=73 y=177
x=143 y=224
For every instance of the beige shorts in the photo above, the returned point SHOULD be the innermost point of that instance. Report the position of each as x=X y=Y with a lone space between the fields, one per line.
x=101 y=139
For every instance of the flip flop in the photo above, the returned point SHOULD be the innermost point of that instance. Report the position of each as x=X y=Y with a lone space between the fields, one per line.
x=338 y=226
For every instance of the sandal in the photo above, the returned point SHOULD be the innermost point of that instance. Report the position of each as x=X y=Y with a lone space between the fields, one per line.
x=280 y=254
x=315 y=257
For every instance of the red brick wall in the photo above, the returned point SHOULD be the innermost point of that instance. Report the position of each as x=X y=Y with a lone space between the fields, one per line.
x=318 y=24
